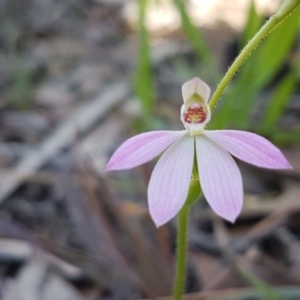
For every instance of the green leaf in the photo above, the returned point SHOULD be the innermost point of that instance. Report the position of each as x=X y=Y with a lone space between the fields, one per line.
x=196 y=39
x=274 y=50
x=265 y=63
x=257 y=72
x=254 y=21
x=286 y=138
x=277 y=104
x=238 y=93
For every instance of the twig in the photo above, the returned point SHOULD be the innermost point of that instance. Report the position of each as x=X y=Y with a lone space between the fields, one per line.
x=81 y=121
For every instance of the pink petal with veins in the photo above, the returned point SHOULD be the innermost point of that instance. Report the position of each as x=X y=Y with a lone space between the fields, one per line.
x=195 y=86
x=170 y=181
x=220 y=178
x=250 y=148
x=142 y=148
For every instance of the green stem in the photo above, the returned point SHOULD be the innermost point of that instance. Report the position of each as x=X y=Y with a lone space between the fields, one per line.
x=182 y=229
x=284 y=11
x=181 y=255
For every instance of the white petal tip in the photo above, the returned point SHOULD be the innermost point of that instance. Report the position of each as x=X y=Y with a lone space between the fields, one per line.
x=158 y=222
x=159 y=218
x=230 y=215
x=283 y=165
x=288 y=166
x=157 y=225
x=110 y=167
x=232 y=220
x=114 y=166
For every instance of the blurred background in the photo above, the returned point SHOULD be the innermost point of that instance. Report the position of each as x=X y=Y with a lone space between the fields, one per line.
x=77 y=78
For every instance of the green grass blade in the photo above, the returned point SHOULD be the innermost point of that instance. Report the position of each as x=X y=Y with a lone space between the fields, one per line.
x=254 y=22
x=257 y=72
x=266 y=62
x=238 y=93
x=21 y=89
x=196 y=39
x=144 y=87
x=274 y=50
x=267 y=292
x=287 y=138
x=277 y=104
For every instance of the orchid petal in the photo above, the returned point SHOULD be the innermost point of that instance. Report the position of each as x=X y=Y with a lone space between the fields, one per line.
x=142 y=148
x=195 y=86
x=220 y=179
x=170 y=181
x=250 y=148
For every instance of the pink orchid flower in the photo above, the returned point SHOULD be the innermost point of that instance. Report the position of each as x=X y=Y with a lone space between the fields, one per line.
x=220 y=178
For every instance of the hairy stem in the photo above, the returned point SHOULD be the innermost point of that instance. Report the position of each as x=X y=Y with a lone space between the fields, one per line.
x=284 y=11
x=182 y=239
